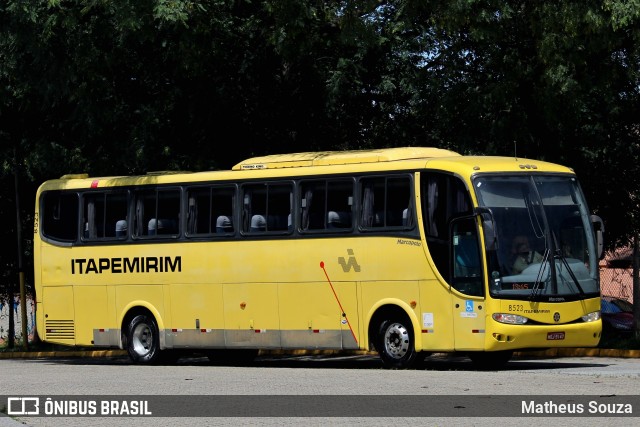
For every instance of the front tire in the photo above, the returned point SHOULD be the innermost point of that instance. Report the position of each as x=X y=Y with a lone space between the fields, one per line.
x=143 y=339
x=396 y=344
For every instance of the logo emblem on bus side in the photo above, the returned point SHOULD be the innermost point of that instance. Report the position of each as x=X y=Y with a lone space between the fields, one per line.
x=556 y=317
x=346 y=266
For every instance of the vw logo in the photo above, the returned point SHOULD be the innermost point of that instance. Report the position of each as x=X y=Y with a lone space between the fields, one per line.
x=556 y=317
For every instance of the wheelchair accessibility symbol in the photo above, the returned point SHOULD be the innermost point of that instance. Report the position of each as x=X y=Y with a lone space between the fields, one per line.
x=469 y=306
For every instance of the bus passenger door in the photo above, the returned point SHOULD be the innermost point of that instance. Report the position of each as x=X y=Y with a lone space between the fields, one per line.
x=466 y=282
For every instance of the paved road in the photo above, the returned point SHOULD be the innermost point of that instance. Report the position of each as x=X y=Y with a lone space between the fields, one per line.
x=322 y=375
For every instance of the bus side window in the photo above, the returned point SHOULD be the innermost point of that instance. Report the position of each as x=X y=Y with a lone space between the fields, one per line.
x=373 y=199
x=326 y=205
x=198 y=210
x=254 y=207
x=466 y=276
x=313 y=202
x=116 y=210
x=210 y=210
x=267 y=207
x=399 y=202
x=339 y=204
x=222 y=208
x=94 y=207
x=60 y=216
x=101 y=213
x=385 y=202
x=279 y=206
x=157 y=212
x=105 y=215
x=168 y=212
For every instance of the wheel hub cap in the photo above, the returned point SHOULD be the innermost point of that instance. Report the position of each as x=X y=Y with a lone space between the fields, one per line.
x=396 y=340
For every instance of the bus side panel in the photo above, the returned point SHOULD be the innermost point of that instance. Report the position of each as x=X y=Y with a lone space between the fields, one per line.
x=37 y=273
x=305 y=306
x=336 y=263
x=115 y=333
x=197 y=316
x=435 y=315
x=92 y=315
x=346 y=292
x=59 y=323
x=469 y=321
x=310 y=316
x=251 y=315
x=56 y=308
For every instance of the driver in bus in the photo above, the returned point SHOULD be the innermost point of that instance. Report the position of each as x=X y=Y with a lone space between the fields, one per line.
x=523 y=255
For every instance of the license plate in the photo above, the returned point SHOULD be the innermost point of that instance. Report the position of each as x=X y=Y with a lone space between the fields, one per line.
x=552 y=336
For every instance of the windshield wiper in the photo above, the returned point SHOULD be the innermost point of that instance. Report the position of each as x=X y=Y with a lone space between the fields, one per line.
x=535 y=291
x=563 y=260
x=559 y=256
x=571 y=274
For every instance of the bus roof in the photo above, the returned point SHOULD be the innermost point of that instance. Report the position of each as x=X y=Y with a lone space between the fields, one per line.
x=327 y=158
x=280 y=165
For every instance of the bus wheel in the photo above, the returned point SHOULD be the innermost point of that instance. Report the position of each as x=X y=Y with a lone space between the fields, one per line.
x=490 y=360
x=396 y=344
x=143 y=342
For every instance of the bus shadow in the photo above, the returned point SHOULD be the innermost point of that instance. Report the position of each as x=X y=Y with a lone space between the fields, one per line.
x=463 y=363
x=436 y=362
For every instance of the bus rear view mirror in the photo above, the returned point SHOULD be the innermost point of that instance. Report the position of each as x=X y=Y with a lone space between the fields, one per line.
x=488 y=225
x=598 y=227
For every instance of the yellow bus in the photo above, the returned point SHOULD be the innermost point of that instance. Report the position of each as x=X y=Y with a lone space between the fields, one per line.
x=405 y=251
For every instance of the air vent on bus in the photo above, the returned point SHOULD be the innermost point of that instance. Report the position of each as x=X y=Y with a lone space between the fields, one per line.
x=60 y=329
x=326 y=158
x=75 y=176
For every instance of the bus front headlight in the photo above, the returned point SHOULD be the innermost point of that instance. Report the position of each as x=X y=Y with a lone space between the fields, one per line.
x=591 y=317
x=512 y=319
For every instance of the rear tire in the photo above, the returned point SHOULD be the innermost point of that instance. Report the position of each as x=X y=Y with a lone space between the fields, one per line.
x=396 y=344
x=143 y=339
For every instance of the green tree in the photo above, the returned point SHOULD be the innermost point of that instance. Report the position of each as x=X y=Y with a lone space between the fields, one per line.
x=546 y=80
x=125 y=87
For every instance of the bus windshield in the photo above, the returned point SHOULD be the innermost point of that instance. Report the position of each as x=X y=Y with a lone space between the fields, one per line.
x=542 y=246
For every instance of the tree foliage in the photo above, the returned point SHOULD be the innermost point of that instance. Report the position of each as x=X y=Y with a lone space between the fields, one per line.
x=130 y=86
